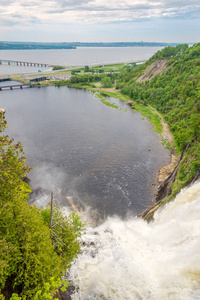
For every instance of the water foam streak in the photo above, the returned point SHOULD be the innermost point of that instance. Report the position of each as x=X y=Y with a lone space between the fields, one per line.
x=134 y=260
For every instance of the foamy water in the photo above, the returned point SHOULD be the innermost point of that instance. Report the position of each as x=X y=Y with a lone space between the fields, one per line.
x=134 y=260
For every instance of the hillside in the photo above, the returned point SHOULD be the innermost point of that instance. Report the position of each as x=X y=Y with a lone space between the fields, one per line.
x=170 y=82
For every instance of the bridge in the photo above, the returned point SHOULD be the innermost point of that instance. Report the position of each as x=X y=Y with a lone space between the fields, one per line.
x=22 y=63
x=5 y=87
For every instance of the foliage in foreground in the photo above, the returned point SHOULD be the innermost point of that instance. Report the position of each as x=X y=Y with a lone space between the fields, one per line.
x=65 y=233
x=32 y=257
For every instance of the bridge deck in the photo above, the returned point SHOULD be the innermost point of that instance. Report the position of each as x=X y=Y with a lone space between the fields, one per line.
x=14 y=86
x=23 y=63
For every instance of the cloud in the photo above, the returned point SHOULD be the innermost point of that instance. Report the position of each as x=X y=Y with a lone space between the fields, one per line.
x=93 y=11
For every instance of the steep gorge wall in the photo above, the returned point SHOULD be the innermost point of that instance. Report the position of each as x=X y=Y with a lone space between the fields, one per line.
x=165 y=187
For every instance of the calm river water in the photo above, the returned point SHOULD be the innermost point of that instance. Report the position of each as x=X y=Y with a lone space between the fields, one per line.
x=74 y=57
x=89 y=154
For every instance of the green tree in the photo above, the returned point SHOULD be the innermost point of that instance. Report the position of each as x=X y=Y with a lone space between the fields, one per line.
x=86 y=69
x=12 y=168
x=65 y=233
x=106 y=82
x=28 y=259
x=30 y=264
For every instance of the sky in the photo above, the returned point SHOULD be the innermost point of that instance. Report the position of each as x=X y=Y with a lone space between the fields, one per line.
x=100 y=20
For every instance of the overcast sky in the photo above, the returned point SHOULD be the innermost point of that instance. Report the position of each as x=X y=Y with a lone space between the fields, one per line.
x=100 y=20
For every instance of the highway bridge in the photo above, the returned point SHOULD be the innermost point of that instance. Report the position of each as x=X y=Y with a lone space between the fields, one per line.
x=22 y=63
x=6 y=87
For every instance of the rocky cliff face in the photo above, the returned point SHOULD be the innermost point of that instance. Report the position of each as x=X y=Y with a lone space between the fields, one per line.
x=156 y=68
x=165 y=187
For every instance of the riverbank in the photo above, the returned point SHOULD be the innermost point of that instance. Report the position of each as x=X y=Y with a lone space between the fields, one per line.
x=168 y=138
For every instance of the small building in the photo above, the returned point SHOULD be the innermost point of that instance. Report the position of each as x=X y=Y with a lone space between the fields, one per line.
x=37 y=79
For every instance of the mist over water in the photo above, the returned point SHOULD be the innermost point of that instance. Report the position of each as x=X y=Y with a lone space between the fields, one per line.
x=134 y=260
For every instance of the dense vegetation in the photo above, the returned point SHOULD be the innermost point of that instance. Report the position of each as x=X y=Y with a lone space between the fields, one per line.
x=176 y=95
x=33 y=257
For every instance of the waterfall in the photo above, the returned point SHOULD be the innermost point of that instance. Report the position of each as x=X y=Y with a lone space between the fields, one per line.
x=133 y=260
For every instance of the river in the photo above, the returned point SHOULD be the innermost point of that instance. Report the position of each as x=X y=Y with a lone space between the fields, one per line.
x=93 y=157
x=74 y=57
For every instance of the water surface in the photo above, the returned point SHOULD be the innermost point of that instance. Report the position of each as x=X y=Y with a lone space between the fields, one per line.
x=74 y=57
x=87 y=153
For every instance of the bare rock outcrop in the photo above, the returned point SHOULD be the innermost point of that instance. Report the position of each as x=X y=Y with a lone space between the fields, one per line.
x=156 y=68
x=165 y=187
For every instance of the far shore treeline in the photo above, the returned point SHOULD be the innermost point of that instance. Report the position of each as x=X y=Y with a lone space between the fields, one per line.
x=73 y=45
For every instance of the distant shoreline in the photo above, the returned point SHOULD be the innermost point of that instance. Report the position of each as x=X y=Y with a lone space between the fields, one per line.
x=73 y=45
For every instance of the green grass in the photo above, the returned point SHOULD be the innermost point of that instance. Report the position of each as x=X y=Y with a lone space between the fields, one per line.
x=110 y=104
x=104 y=101
x=121 y=65
x=151 y=114
x=166 y=144
x=111 y=94
x=105 y=68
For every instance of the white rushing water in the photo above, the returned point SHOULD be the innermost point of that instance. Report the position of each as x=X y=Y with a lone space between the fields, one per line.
x=133 y=260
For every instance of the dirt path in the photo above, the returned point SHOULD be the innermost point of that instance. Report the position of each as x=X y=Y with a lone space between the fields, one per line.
x=167 y=136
